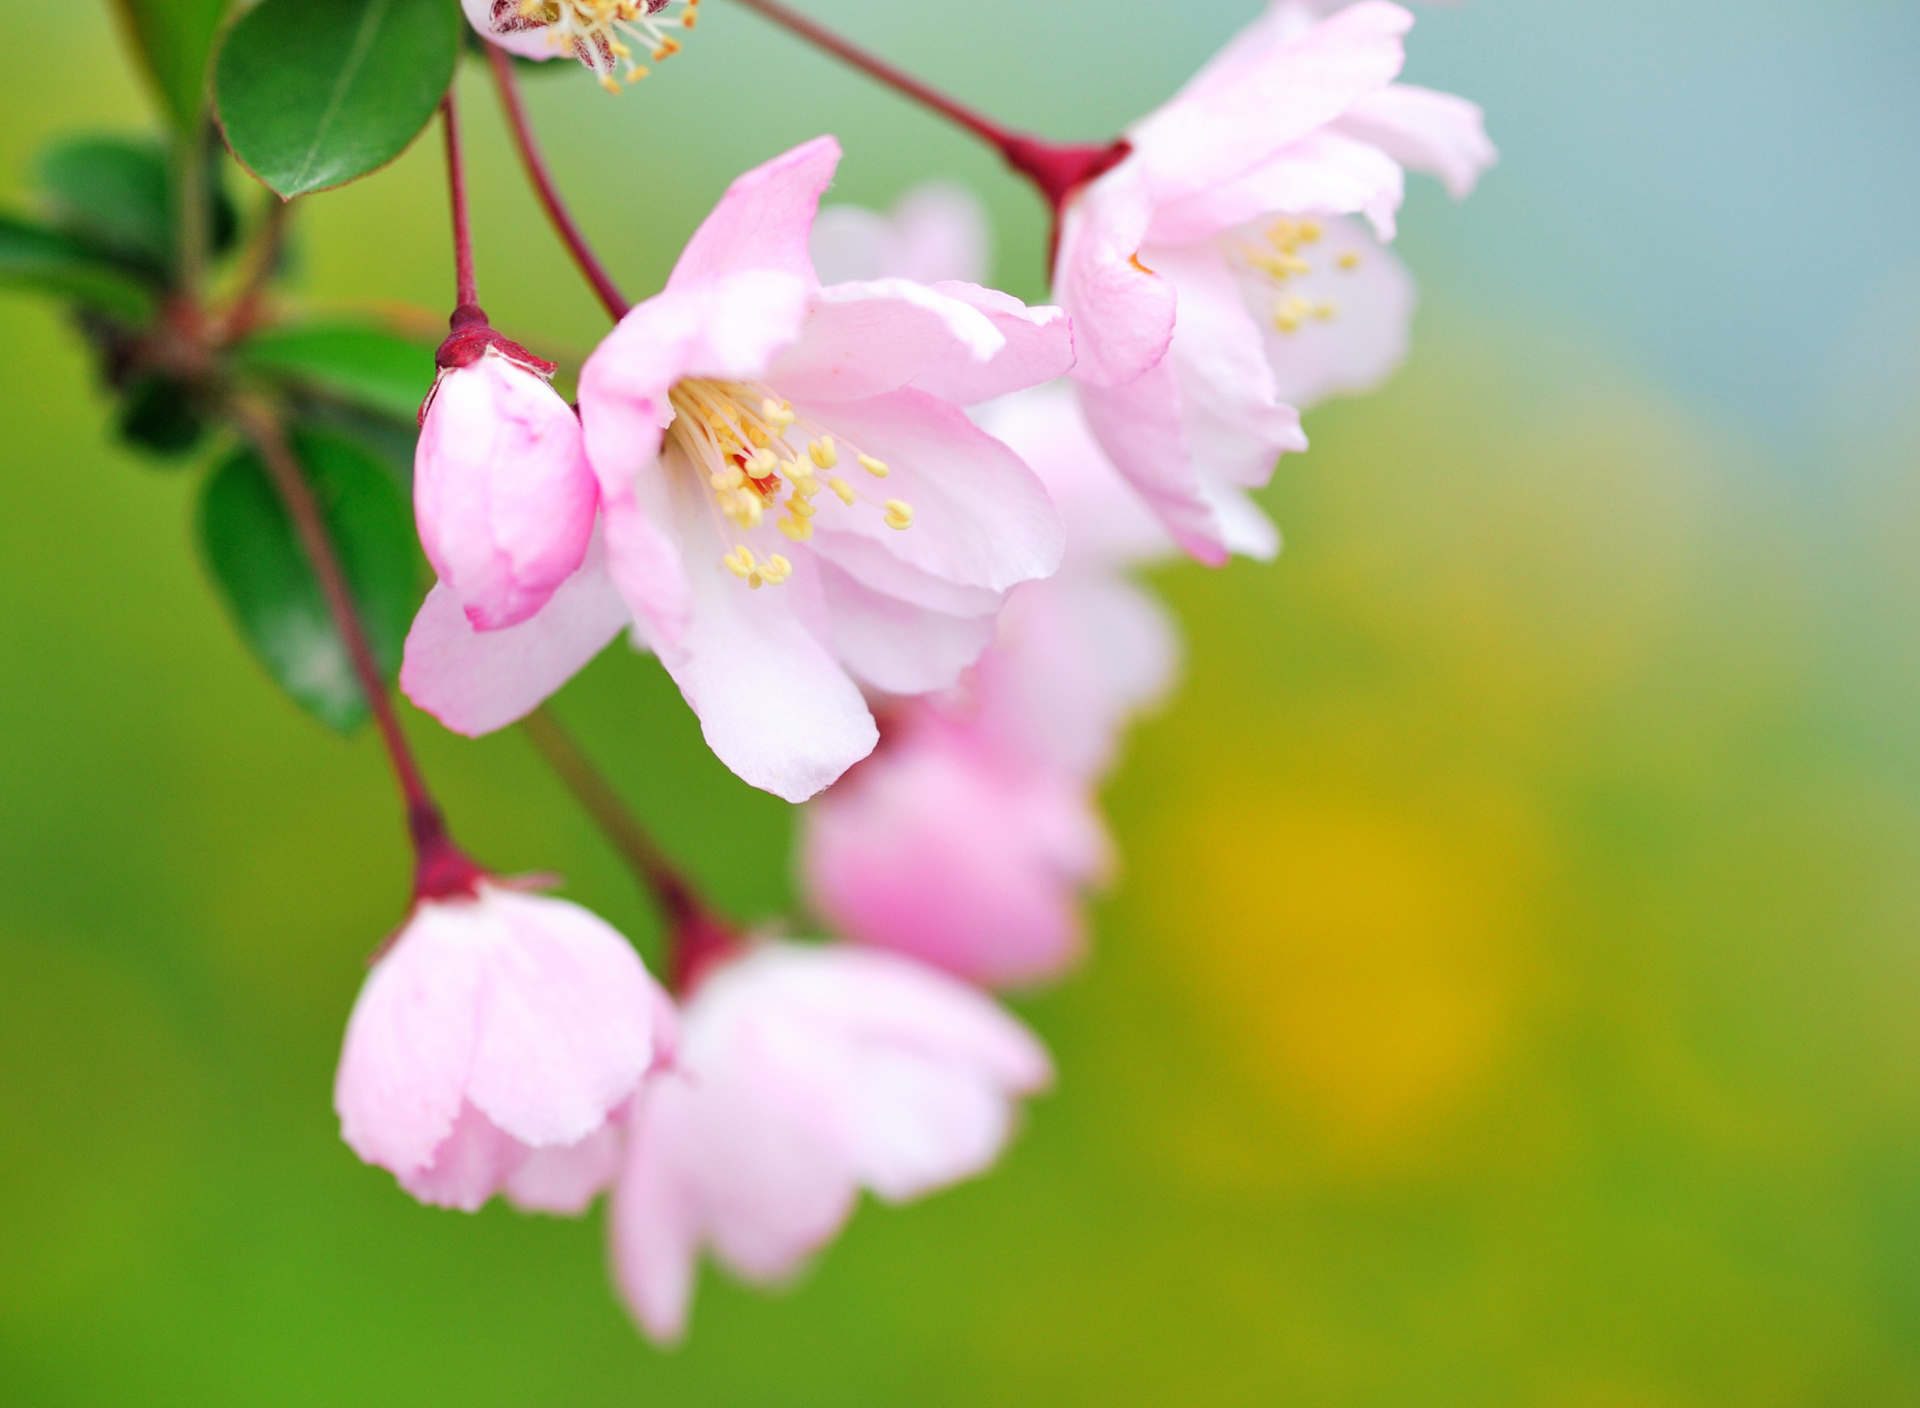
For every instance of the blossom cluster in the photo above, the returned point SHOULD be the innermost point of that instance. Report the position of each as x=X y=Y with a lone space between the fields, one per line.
x=881 y=524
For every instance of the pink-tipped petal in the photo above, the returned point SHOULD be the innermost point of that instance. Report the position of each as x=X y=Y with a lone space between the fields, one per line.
x=763 y=220
x=1038 y=346
x=477 y=681
x=472 y=1164
x=502 y=490
x=1123 y=312
x=866 y=339
x=1141 y=429
x=1322 y=174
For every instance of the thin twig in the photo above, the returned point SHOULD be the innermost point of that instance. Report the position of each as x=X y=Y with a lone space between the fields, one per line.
x=467 y=294
x=521 y=126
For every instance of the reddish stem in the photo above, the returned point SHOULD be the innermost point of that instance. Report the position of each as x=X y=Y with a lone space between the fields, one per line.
x=1057 y=171
x=467 y=287
x=441 y=870
x=697 y=938
x=521 y=126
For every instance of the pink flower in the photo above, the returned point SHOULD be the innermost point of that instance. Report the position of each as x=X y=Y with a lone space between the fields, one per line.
x=968 y=838
x=936 y=231
x=599 y=33
x=1201 y=275
x=793 y=502
x=494 y=1026
x=804 y=1075
x=502 y=491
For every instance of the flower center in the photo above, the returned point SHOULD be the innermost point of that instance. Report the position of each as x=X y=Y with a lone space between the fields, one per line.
x=748 y=448
x=596 y=31
x=1277 y=257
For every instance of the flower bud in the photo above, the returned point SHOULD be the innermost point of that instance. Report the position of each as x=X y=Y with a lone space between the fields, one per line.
x=502 y=491
x=496 y=1026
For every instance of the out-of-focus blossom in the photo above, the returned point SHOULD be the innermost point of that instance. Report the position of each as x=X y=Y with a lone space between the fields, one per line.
x=1205 y=277
x=970 y=836
x=793 y=502
x=936 y=232
x=602 y=34
x=502 y=491
x=495 y=1025
x=804 y=1075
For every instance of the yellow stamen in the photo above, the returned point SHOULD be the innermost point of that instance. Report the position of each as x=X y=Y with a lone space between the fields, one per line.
x=899 y=514
x=798 y=529
x=1350 y=260
x=876 y=468
x=823 y=452
x=843 y=489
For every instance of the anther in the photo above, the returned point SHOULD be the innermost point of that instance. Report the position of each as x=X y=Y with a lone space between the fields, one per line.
x=877 y=468
x=796 y=529
x=843 y=489
x=899 y=514
x=1350 y=260
x=823 y=452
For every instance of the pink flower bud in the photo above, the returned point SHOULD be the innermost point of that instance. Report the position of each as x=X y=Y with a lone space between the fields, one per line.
x=494 y=1027
x=502 y=491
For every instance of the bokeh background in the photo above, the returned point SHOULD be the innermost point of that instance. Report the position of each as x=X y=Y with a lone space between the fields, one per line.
x=1510 y=995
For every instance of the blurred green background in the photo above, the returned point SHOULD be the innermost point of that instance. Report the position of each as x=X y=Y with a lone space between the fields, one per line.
x=1510 y=996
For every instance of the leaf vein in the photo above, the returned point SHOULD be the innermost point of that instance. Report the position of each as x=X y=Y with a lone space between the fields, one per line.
x=362 y=46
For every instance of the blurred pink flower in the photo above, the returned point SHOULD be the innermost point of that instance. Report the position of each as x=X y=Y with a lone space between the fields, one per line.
x=746 y=380
x=502 y=491
x=969 y=836
x=1185 y=266
x=804 y=1074
x=936 y=231
x=599 y=33
x=494 y=1026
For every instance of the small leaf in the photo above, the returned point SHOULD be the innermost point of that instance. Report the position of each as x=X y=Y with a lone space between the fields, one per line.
x=360 y=365
x=158 y=415
x=115 y=195
x=316 y=93
x=33 y=256
x=175 y=39
x=255 y=559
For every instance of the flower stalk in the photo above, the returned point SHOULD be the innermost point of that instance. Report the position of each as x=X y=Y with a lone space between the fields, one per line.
x=1056 y=170
x=441 y=869
x=513 y=104
x=697 y=938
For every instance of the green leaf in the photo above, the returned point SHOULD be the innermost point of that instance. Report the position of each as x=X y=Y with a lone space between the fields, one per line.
x=316 y=93
x=255 y=559
x=159 y=416
x=33 y=256
x=175 y=39
x=360 y=365
x=115 y=195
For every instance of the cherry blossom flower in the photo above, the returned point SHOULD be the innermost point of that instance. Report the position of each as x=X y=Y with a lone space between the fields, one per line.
x=496 y=1025
x=599 y=33
x=793 y=502
x=804 y=1075
x=502 y=492
x=936 y=232
x=969 y=836
x=1204 y=275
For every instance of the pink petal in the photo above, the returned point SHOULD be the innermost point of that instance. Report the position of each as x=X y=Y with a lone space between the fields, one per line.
x=1238 y=118
x=1107 y=522
x=470 y=1166
x=1038 y=347
x=1140 y=427
x=894 y=646
x=1425 y=131
x=656 y=1220
x=933 y=849
x=501 y=489
x=568 y=1022
x=410 y=1041
x=763 y=220
x=1123 y=312
x=1322 y=174
x=564 y=1179
x=1079 y=656
x=477 y=681
x=866 y=339
x=774 y=704
x=981 y=517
